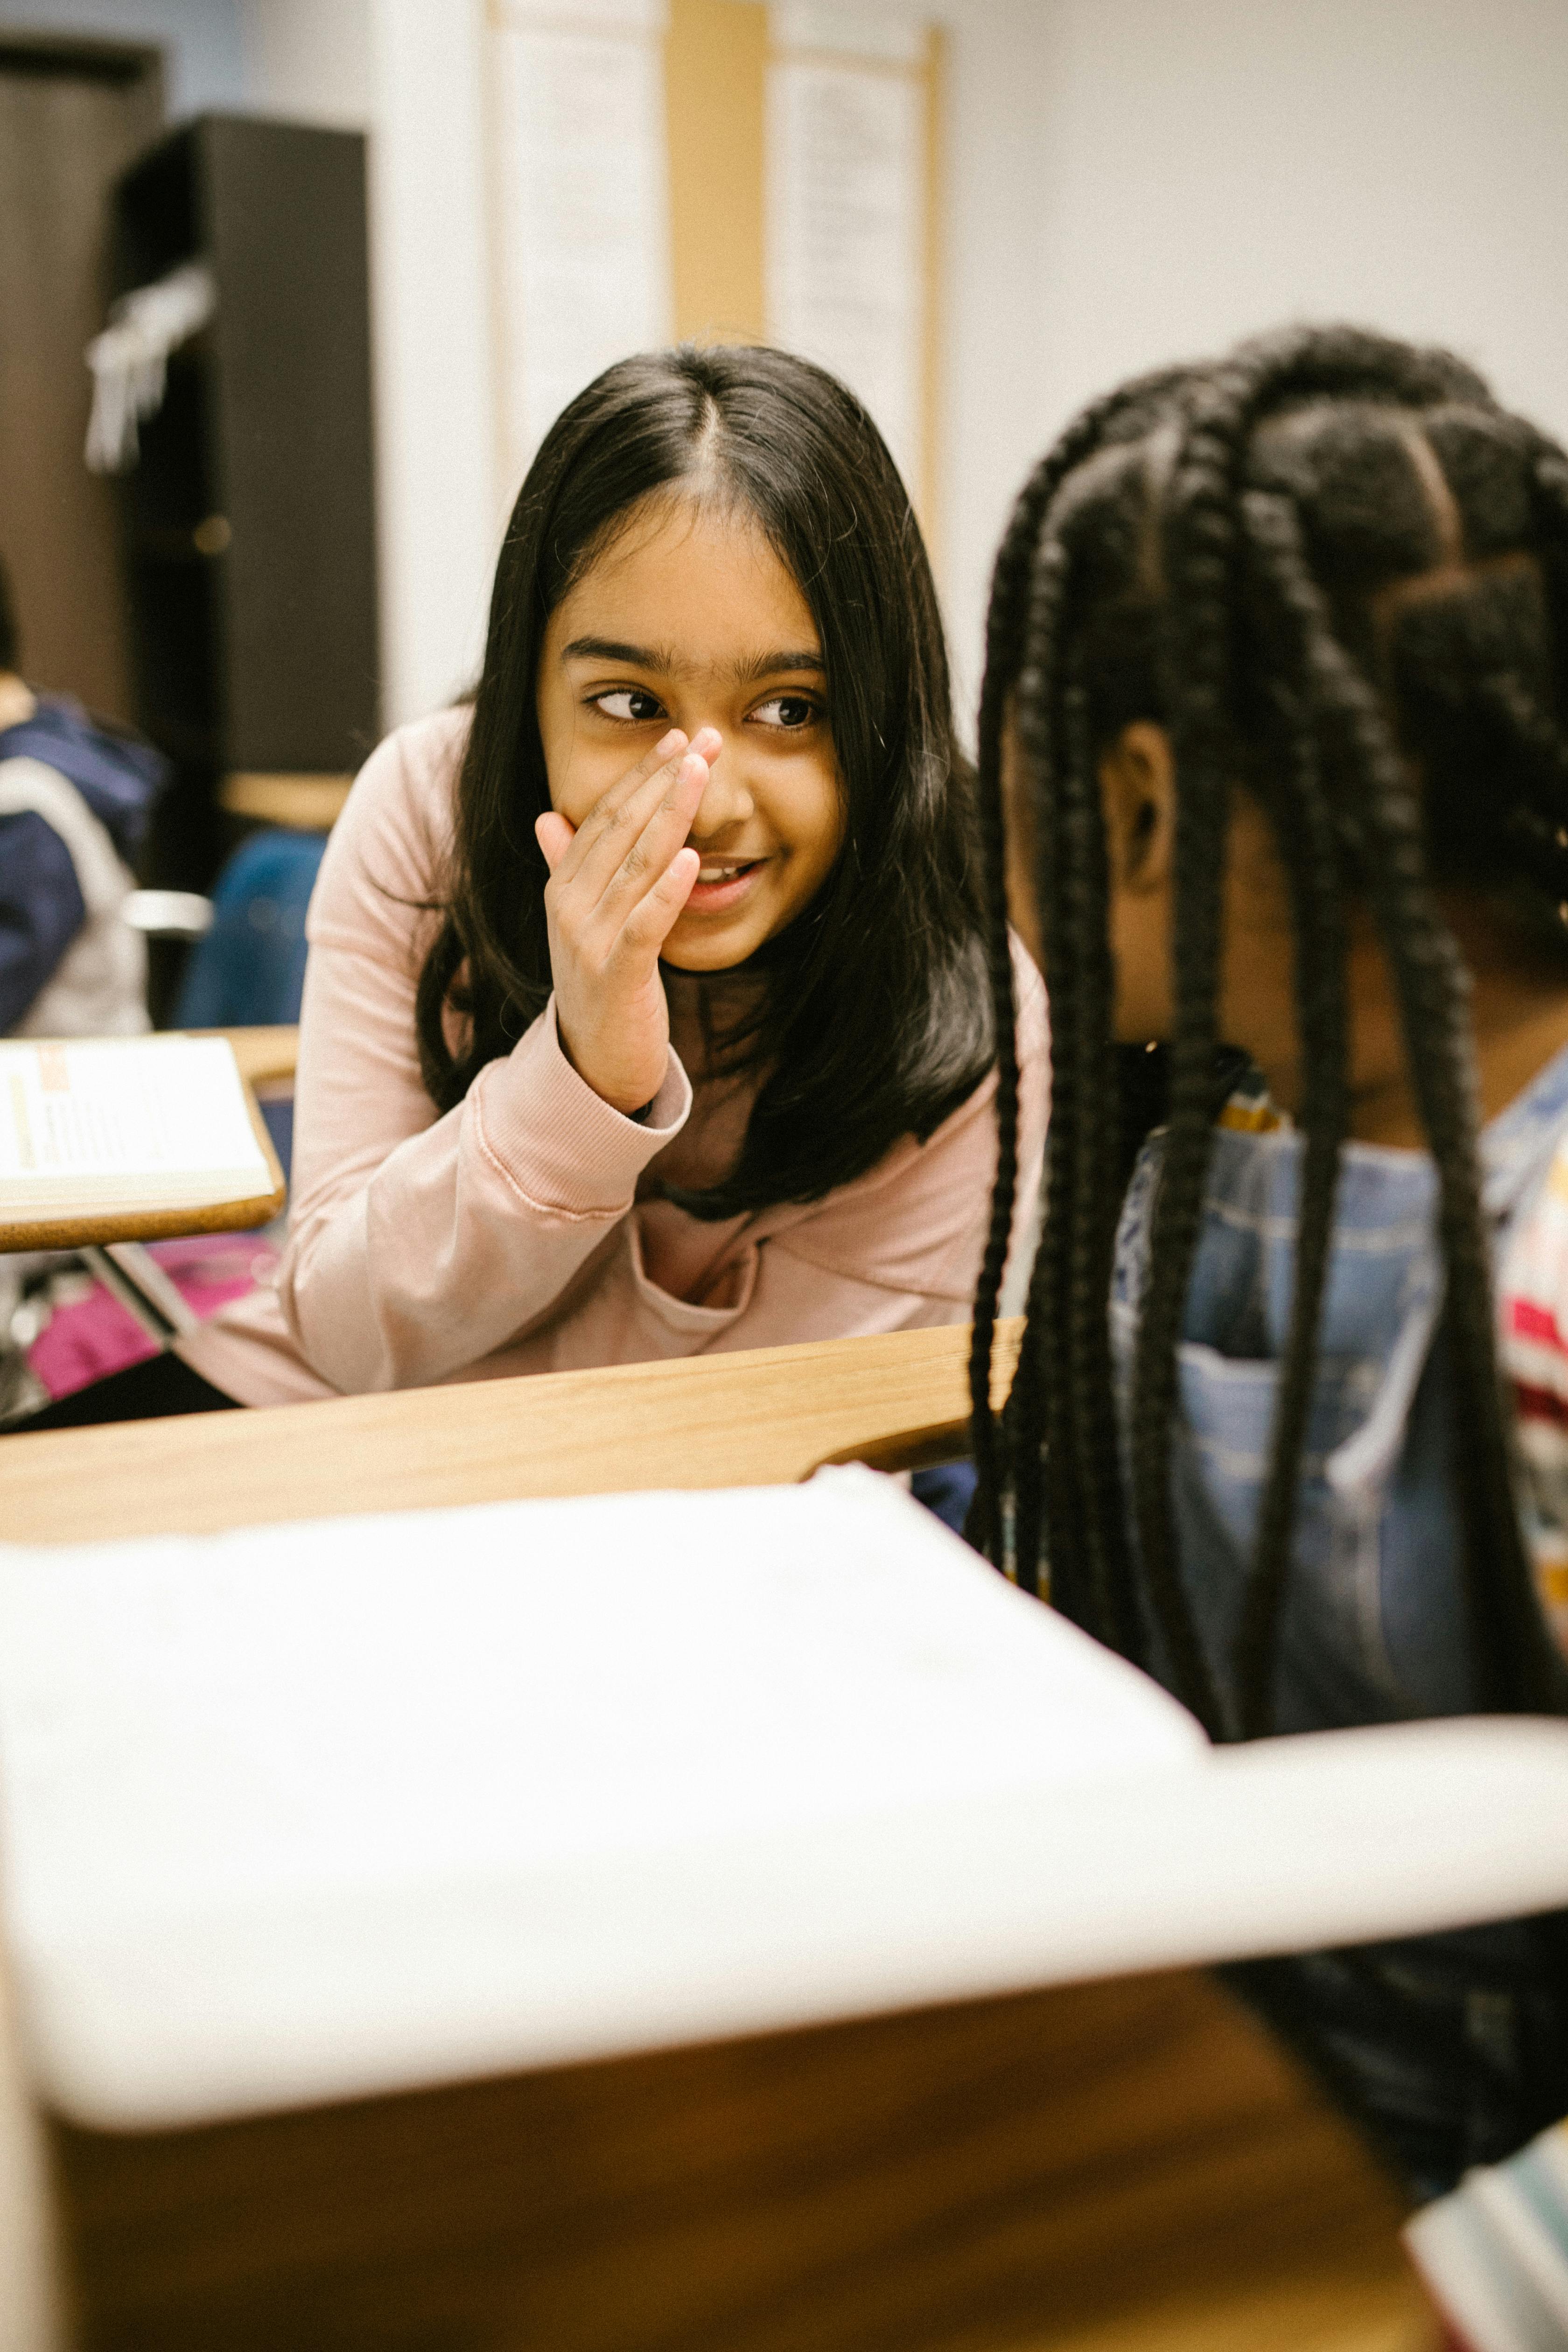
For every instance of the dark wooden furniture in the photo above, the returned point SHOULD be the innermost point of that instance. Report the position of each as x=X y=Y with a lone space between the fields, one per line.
x=250 y=515
x=1127 y=2167
x=72 y=115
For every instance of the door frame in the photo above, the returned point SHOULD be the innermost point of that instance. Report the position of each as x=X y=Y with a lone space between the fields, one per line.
x=84 y=55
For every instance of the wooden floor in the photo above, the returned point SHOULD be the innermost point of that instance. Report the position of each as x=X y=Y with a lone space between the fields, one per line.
x=1103 y=2168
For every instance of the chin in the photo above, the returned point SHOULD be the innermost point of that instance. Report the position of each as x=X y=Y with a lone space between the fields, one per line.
x=719 y=952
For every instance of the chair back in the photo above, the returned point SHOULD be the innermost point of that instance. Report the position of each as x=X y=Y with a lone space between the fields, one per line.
x=250 y=970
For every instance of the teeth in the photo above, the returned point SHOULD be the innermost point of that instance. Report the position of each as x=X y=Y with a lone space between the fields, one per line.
x=717 y=873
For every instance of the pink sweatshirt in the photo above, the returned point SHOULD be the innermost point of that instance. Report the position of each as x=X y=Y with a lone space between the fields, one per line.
x=521 y=1232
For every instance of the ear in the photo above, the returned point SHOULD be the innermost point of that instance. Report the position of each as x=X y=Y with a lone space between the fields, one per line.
x=1138 y=784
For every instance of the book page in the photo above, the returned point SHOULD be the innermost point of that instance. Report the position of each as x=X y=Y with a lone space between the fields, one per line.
x=307 y=1812
x=133 y=1121
x=507 y=1688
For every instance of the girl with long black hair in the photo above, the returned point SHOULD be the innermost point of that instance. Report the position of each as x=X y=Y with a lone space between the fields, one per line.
x=646 y=1010
x=1274 y=769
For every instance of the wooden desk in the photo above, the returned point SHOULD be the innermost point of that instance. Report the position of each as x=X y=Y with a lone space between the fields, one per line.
x=263 y=1054
x=766 y=1417
x=1128 y=2167
x=304 y=804
x=1114 y=2167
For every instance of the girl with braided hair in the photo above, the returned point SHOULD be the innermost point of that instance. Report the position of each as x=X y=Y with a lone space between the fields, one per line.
x=1274 y=774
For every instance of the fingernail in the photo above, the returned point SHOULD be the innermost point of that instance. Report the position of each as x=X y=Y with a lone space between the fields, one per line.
x=693 y=766
x=666 y=745
x=707 y=740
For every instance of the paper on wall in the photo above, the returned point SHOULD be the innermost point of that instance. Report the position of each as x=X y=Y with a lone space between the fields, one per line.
x=863 y=33
x=582 y=202
x=845 y=216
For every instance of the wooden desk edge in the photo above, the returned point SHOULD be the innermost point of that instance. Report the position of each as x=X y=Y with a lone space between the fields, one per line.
x=767 y=1417
x=302 y=802
x=148 y=1225
x=261 y=1054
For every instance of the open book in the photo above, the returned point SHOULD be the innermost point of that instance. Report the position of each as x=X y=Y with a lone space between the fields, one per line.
x=120 y=1138
x=298 y=1815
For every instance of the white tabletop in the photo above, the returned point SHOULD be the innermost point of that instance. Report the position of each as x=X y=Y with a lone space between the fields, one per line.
x=293 y=1815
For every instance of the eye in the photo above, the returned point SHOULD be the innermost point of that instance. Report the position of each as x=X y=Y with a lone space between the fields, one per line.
x=790 y=711
x=632 y=705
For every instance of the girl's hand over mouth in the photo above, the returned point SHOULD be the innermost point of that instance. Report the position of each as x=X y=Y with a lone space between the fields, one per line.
x=617 y=885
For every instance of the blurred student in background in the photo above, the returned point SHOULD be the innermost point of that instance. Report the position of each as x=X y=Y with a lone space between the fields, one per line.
x=648 y=1010
x=75 y=799
x=1274 y=757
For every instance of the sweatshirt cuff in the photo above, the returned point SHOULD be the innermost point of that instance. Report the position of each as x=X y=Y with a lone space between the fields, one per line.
x=557 y=1142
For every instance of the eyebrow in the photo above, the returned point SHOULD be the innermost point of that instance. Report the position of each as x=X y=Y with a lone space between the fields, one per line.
x=665 y=660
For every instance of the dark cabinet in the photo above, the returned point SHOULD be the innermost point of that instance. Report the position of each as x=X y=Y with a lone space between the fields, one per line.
x=251 y=534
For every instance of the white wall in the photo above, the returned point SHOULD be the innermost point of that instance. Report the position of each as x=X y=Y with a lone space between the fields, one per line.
x=410 y=73
x=1130 y=180
x=1136 y=180
x=999 y=59
x=311 y=59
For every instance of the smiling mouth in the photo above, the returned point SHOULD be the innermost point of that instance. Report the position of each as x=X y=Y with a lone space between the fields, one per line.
x=727 y=869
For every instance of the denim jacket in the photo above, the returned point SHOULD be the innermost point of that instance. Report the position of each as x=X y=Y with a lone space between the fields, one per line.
x=1374 y=1624
x=1450 y=2050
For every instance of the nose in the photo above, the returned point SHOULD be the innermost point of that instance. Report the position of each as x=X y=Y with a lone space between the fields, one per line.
x=726 y=800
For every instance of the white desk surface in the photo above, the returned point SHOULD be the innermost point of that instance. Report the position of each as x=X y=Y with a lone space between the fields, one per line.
x=295 y=1815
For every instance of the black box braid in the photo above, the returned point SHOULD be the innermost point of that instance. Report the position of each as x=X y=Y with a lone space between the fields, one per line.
x=1206 y=549
x=1010 y=589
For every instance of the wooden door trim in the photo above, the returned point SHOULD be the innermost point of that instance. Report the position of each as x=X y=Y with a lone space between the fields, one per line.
x=81 y=58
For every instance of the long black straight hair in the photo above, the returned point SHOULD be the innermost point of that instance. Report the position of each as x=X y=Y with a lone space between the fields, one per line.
x=874 y=1019
x=1205 y=549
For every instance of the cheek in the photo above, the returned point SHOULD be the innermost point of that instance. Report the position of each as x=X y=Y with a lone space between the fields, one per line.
x=1139 y=945
x=555 y=742
x=573 y=792
x=1022 y=909
x=1020 y=846
x=575 y=769
x=578 y=772
x=808 y=815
